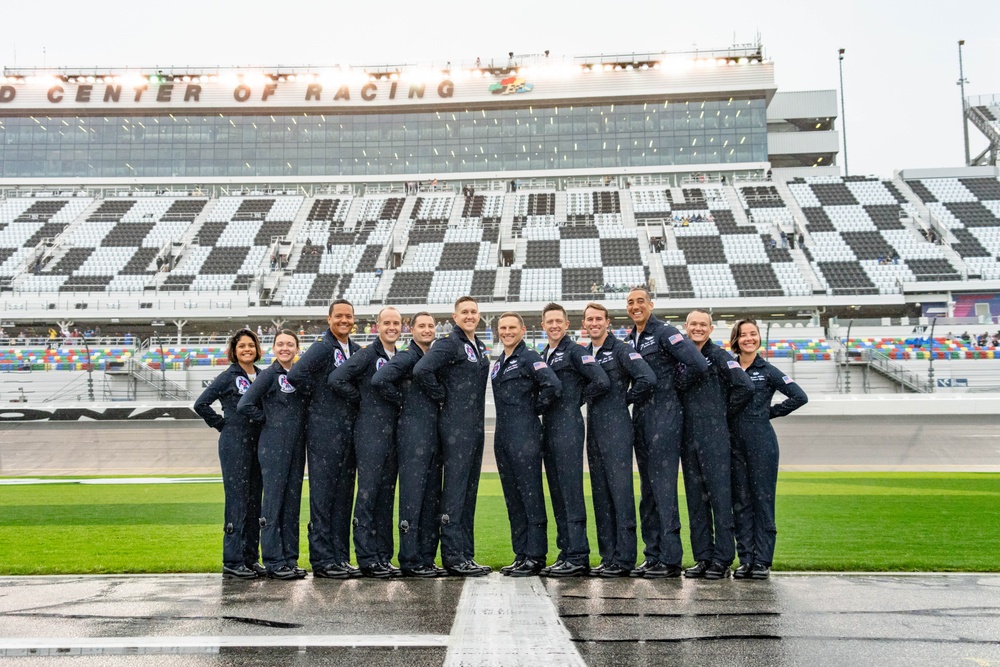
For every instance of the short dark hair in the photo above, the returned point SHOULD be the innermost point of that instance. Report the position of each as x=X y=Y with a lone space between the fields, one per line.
x=734 y=334
x=511 y=313
x=339 y=302
x=234 y=340
x=422 y=313
x=648 y=294
x=554 y=306
x=463 y=299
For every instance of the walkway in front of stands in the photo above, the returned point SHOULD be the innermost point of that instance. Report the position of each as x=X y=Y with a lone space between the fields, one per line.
x=792 y=619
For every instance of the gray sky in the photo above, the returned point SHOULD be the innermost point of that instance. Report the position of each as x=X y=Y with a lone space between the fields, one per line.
x=900 y=71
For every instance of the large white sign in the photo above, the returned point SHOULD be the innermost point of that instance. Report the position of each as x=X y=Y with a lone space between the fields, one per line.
x=53 y=95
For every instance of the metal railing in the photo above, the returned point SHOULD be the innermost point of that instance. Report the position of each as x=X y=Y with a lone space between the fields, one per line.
x=880 y=362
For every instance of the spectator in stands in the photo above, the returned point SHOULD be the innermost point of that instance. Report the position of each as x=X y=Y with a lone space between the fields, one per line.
x=755 y=453
x=769 y=173
x=594 y=289
x=658 y=426
x=238 y=436
x=652 y=285
x=564 y=432
x=454 y=372
x=802 y=240
x=374 y=446
x=273 y=401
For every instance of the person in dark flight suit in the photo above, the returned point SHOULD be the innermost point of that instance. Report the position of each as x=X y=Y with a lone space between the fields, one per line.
x=238 y=437
x=755 y=453
x=523 y=387
x=609 y=443
x=708 y=402
x=659 y=424
x=329 y=438
x=454 y=372
x=374 y=447
x=273 y=400
x=418 y=453
x=562 y=450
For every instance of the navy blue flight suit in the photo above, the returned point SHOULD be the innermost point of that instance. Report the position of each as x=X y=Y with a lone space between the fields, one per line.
x=329 y=439
x=273 y=400
x=523 y=388
x=609 y=449
x=241 y=479
x=755 y=461
x=419 y=455
x=709 y=400
x=659 y=424
x=375 y=452
x=454 y=373
x=562 y=450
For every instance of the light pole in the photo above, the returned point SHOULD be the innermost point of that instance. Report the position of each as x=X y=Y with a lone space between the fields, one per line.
x=961 y=82
x=843 y=115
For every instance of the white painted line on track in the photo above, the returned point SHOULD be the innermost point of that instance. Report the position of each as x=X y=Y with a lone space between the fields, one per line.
x=23 y=481
x=507 y=621
x=63 y=646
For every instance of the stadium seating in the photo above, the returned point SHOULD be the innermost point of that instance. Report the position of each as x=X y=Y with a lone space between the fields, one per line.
x=969 y=208
x=859 y=244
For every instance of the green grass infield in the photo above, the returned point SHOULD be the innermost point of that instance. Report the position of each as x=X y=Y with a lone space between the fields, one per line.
x=877 y=522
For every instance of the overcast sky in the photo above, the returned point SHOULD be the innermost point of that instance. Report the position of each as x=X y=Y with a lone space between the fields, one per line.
x=900 y=71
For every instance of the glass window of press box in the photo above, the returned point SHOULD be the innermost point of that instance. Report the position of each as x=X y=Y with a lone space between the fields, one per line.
x=428 y=142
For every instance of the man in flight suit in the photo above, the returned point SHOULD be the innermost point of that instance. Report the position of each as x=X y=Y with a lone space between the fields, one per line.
x=374 y=447
x=659 y=425
x=418 y=452
x=454 y=372
x=609 y=443
x=708 y=401
x=523 y=387
x=582 y=380
x=329 y=446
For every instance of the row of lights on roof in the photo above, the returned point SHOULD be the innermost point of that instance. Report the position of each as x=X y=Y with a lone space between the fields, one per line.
x=377 y=76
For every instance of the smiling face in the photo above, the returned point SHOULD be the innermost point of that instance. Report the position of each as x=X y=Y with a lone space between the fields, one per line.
x=341 y=321
x=699 y=327
x=423 y=330
x=390 y=324
x=246 y=351
x=285 y=348
x=749 y=339
x=466 y=316
x=595 y=321
x=511 y=332
x=639 y=307
x=556 y=324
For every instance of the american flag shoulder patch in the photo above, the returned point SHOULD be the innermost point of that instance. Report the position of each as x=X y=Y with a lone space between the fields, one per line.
x=587 y=359
x=734 y=364
x=634 y=356
x=787 y=379
x=676 y=338
x=539 y=365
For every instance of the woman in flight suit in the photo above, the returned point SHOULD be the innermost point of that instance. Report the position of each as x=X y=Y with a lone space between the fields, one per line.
x=238 y=436
x=273 y=400
x=755 y=453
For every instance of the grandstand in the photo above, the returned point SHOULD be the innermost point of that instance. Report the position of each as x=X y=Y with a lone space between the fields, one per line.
x=207 y=197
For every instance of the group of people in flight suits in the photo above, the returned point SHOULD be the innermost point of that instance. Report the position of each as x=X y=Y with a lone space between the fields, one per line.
x=378 y=416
